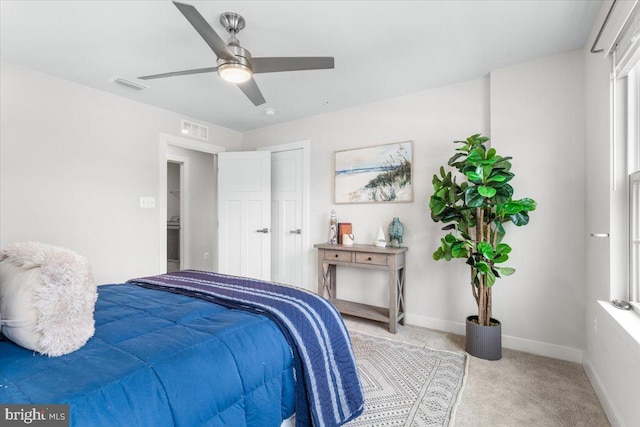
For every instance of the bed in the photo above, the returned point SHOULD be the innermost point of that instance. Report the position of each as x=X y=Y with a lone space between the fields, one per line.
x=194 y=349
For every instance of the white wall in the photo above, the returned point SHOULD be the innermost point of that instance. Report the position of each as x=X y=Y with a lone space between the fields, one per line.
x=533 y=303
x=537 y=116
x=611 y=354
x=74 y=162
x=437 y=293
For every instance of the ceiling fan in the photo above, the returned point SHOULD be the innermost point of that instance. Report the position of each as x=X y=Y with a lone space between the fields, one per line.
x=235 y=63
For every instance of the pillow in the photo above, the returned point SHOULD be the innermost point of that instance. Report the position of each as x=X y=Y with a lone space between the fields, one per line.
x=47 y=298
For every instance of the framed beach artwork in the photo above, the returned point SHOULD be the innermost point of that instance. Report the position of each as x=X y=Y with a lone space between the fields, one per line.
x=375 y=174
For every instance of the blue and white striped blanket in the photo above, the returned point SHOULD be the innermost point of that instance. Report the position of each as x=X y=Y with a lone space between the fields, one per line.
x=329 y=392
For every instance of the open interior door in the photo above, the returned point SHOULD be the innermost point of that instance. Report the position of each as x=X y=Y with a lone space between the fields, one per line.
x=244 y=214
x=286 y=217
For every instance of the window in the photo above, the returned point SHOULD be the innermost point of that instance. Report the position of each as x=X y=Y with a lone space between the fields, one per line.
x=632 y=170
x=634 y=238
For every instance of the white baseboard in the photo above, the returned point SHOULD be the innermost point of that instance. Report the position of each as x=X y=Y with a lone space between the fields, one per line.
x=437 y=324
x=514 y=343
x=611 y=412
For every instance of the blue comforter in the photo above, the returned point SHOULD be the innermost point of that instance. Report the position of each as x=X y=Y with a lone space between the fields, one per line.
x=328 y=389
x=161 y=359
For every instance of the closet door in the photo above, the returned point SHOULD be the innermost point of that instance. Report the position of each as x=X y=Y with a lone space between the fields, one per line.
x=244 y=214
x=286 y=217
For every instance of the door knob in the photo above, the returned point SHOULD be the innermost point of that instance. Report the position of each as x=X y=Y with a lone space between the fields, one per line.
x=263 y=230
x=296 y=231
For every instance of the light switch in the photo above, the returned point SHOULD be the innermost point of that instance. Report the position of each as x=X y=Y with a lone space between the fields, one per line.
x=148 y=202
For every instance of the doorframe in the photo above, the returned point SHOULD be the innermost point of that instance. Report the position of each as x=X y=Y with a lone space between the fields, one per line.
x=165 y=140
x=305 y=146
x=184 y=207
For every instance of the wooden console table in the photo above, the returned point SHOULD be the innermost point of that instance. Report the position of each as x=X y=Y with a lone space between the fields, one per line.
x=364 y=256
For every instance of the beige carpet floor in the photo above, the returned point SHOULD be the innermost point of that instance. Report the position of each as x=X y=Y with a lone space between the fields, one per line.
x=521 y=389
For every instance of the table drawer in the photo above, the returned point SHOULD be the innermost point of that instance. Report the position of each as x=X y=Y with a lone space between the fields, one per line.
x=376 y=259
x=338 y=256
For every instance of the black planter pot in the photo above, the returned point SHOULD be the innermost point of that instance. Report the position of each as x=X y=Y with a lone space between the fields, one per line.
x=484 y=342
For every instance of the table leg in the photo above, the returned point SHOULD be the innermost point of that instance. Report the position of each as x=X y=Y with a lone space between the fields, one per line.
x=393 y=300
x=401 y=296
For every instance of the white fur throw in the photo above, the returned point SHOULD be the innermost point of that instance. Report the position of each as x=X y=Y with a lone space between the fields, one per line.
x=47 y=298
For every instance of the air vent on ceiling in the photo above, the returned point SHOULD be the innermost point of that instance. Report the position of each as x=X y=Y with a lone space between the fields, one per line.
x=128 y=83
x=195 y=130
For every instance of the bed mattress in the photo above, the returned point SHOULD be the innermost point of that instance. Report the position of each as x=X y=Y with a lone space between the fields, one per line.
x=161 y=359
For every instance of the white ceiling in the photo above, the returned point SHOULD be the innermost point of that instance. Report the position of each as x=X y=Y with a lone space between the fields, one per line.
x=382 y=49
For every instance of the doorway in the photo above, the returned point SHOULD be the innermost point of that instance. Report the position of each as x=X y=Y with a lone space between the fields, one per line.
x=303 y=259
x=193 y=252
x=175 y=236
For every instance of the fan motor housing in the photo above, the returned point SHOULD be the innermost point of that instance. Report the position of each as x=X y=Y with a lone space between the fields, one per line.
x=241 y=53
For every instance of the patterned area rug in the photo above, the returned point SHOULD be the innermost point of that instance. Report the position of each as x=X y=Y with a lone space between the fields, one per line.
x=407 y=385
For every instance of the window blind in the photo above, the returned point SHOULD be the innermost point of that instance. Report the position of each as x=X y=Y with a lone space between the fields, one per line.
x=626 y=47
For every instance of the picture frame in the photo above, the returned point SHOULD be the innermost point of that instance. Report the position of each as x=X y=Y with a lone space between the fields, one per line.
x=377 y=174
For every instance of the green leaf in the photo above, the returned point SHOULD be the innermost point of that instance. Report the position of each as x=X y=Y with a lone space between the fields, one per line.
x=472 y=198
x=474 y=176
x=507 y=175
x=475 y=155
x=450 y=238
x=501 y=258
x=453 y=159
x=452 y=195
x=458 y=250
x=506 y=271
x=513 y=207
x=491 y=153
x=503 y=248
x=487 y=191
x=483 y=246
x=485 y=249
x=490 y=278
x=449 y=214
x=449 y=227
x=528 y=204
x=466 y=168
x=443 y=252
x=520 y=218
x=436 y=205
x=482 y=266
x=503 y=193
x=497 y=178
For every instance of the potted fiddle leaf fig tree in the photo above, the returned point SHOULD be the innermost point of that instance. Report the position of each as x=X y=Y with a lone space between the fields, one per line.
x=474 y=198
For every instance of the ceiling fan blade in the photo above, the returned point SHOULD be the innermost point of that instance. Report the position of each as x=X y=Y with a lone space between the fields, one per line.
x=180 y=73
x=275 y=64
x=203 y=28
x=251 y=89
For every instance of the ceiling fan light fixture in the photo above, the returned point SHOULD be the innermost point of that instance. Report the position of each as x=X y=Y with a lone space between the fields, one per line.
x=234 y=73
